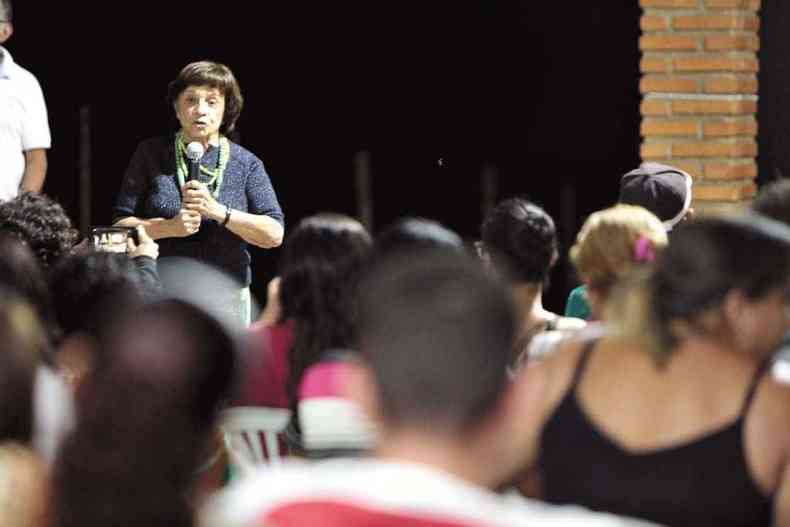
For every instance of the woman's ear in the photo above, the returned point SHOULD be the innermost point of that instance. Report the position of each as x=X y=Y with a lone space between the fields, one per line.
x=732 y=307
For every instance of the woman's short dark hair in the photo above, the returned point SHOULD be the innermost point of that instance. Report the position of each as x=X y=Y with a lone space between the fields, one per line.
x=521 y=240
x=216 y=75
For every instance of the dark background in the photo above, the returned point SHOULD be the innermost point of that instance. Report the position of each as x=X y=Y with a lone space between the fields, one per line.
x=773 y=114
x=545 y=92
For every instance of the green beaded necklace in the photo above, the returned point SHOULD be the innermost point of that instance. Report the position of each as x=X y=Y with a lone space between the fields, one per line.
x=216 y=175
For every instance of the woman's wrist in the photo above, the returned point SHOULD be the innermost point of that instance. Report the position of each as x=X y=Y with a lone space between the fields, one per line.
x=217 y=212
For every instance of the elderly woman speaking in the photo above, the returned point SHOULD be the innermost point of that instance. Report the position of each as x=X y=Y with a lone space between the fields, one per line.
x=196 y=192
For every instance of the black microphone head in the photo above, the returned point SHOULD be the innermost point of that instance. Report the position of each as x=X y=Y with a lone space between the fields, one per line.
x=195 y=151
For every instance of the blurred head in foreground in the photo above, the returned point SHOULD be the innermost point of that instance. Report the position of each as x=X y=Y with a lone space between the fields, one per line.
x=435 y=335
x=146 y=418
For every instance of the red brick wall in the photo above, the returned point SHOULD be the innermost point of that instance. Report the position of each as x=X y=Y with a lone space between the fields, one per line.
x=699 y=85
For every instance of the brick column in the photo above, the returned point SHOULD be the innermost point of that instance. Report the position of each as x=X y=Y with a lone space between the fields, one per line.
x=699 y=84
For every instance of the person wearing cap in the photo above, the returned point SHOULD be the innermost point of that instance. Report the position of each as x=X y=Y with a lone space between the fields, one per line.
x=663 y=190
x=24 y=128
x=231 y=203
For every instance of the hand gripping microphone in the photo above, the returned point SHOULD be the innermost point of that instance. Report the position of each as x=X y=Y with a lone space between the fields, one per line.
x=194 y=152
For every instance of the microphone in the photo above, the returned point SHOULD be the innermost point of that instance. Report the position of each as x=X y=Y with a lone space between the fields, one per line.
x=194 y=152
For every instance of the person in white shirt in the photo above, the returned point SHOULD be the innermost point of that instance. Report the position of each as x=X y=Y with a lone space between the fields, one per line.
x=24 y=129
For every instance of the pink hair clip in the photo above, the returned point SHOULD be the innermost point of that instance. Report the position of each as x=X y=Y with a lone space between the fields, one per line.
x=643 y=250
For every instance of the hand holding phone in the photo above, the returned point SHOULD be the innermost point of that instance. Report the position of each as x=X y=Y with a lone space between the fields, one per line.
x=141 y=244
x=112 y=239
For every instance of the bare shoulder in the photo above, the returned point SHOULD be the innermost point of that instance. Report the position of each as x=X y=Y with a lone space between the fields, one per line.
x=767 y=432
x=556 y=370
x=772 y=399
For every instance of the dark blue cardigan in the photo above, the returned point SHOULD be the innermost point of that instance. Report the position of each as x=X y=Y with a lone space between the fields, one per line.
x=150 y=190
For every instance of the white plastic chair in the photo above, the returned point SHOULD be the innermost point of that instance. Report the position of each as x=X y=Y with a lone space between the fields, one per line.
x=242 y=427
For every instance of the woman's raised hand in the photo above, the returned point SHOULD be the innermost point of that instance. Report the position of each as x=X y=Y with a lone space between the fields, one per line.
x=185 y=223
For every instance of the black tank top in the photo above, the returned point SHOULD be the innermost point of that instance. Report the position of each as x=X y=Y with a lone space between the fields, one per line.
x=702 y=483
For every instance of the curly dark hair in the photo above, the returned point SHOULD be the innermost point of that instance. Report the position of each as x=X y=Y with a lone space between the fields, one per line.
x=321 y=263
x=41 y=223
x=216 y=75
x=521 y=240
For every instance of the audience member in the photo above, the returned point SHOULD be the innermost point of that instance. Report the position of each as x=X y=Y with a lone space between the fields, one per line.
x=21 y=272
x=611 y=244
x=773 y=201
x=89 y=291
x=669 y=416
x=436 y=334
x=321 y=261
x=25 y=134
x=53 y=411
x=23 y=476
x=41 y=223
x=519 y=241
x=147 y=419
x=663 y=190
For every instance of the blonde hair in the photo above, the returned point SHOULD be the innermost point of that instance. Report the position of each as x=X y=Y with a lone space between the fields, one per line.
x=606 y=246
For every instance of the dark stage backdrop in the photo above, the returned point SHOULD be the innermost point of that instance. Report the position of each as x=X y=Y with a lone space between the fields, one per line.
x=545 y=92
x=773 y=111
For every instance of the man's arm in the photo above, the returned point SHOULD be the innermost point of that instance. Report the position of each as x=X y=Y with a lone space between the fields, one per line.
x=35 y=170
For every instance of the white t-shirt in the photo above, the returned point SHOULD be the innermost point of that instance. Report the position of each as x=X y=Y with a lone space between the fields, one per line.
x=23 y=122
x=366 y=492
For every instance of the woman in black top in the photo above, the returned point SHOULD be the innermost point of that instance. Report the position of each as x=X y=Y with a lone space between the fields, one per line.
x=231 y=202
x=669 y=417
